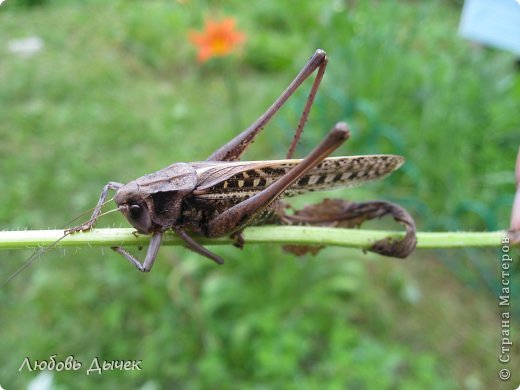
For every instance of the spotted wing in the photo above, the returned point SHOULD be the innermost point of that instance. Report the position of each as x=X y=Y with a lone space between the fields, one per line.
x=243 y=179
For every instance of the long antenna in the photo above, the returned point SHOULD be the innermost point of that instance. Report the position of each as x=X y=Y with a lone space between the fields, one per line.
x=43 y=250
x=31 y=260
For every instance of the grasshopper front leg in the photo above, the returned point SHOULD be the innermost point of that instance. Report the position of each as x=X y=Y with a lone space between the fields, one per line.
x=155 y=244
x=151 y=253
x=111 y=185
x=238 y=216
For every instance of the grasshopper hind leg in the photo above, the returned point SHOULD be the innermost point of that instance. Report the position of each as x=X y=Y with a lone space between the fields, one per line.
x=234 y=149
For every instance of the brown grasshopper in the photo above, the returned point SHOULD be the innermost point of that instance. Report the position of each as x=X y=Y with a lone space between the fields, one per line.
x=221 y=196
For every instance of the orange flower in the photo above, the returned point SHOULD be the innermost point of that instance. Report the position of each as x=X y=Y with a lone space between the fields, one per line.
x=218 y=39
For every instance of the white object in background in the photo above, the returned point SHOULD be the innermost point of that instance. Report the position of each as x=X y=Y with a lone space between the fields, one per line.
x=42 y=381
x=492 y=22
x=25 y=47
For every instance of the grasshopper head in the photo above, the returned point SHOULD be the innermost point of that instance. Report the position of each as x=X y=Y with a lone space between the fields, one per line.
x=134 y=208
x=153 y=202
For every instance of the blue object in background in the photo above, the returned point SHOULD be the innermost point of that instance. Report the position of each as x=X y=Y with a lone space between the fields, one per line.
x=493 y=23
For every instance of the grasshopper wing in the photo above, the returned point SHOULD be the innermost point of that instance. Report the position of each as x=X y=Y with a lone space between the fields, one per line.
x=243 y=179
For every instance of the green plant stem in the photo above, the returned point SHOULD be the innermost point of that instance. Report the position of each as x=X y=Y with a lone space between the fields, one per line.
x=354 y=238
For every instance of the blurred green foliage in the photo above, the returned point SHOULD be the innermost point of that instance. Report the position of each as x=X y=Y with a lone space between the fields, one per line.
x=116 y=93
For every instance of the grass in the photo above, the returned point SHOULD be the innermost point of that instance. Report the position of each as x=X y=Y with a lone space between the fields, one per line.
x=116 y=93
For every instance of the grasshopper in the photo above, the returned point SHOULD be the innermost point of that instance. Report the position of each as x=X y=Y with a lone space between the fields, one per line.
x=222 y=195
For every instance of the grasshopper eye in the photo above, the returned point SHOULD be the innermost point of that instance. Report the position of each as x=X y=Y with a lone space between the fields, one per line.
x=135 y=211
x=138 y=215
